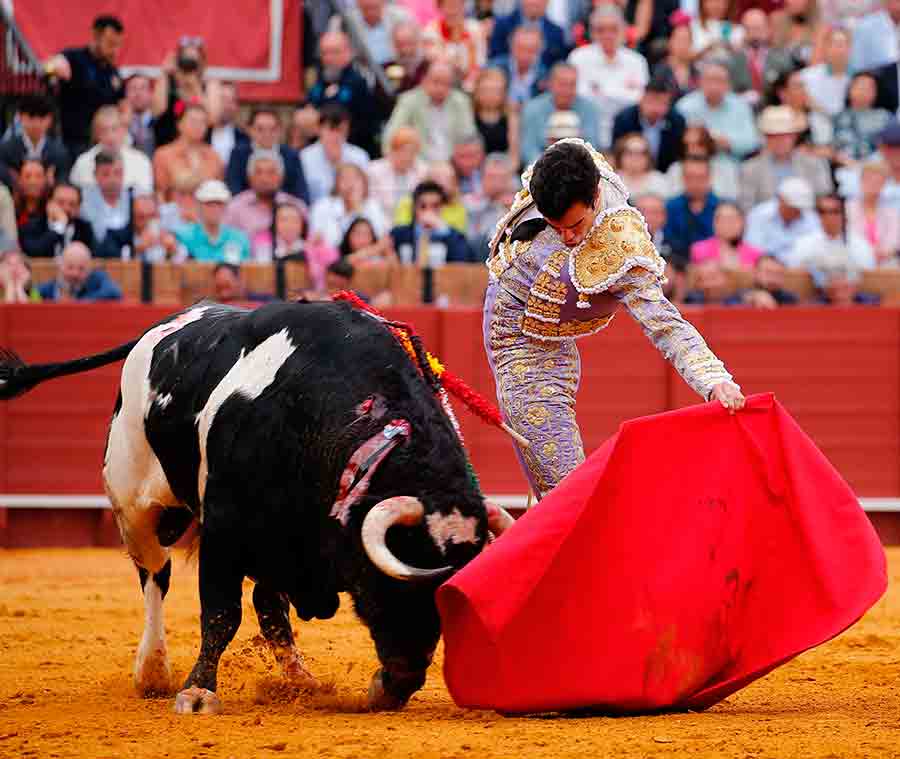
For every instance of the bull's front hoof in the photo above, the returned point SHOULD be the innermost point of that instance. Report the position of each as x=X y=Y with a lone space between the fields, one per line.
x=379 y=699
x=196 y=700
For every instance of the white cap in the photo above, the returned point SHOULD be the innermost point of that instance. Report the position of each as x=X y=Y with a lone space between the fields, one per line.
x=212 y=191
x=796 y=192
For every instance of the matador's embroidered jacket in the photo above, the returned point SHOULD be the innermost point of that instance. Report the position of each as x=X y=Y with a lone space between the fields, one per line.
x=542 y=296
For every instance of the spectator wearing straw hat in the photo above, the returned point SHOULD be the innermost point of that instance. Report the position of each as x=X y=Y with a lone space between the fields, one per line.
x=775 y=225
x=781 y=126
x=209 y=239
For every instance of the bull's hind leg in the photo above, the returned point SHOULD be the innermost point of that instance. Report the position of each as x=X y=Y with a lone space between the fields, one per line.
x=273 y=613
x=221 y=578
x=152 y=673
x=138 y=491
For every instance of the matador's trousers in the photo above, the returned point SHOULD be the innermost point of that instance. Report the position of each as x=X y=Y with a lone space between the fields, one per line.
x=536 y=385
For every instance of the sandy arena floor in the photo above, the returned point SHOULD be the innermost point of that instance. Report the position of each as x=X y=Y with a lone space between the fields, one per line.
x=70 y=621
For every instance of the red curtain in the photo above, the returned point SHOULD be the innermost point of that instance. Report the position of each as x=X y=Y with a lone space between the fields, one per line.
x=237 y=36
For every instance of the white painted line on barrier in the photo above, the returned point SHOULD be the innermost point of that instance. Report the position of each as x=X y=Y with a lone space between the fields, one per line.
x=506 y=501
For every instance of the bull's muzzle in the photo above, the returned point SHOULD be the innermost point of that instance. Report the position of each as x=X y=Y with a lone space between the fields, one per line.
x=399 y=510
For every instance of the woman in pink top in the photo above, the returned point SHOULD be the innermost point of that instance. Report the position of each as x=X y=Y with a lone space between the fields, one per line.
x=727 y=244
x=870 y=218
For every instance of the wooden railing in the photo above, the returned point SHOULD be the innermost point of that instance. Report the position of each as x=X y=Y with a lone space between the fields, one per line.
x=173 y=284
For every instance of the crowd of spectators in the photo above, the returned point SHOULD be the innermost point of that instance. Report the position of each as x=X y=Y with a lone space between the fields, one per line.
x=755 y=137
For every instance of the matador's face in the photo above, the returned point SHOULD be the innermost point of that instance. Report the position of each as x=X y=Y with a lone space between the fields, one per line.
x=574 y=225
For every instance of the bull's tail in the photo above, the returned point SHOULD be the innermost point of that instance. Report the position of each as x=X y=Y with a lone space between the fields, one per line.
x=17 y=377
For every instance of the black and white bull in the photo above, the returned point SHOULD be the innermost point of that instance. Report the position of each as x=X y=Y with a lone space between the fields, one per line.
x=297 y=435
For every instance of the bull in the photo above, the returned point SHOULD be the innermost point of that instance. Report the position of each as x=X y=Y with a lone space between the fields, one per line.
x=315 y=459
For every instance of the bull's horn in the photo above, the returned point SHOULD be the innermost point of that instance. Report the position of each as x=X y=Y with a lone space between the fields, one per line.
x=403 y=510
x=499 y=519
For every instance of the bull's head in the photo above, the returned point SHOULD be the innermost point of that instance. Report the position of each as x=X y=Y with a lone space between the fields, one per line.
x=444 y=529
x=451 y=530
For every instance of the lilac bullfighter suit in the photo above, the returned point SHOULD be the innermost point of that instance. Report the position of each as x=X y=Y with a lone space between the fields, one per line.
x=542 y=296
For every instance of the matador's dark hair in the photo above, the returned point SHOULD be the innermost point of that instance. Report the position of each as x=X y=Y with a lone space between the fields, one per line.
x=563 y=175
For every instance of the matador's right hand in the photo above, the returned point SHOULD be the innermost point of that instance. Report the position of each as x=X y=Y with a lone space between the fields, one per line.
x=729 y=395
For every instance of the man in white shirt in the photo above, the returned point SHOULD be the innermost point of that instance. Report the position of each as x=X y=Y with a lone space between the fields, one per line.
x=609 y=74
x=110 y=132
x=106 y=203
x=827 y=82
x=775 y=225
x=320 y=160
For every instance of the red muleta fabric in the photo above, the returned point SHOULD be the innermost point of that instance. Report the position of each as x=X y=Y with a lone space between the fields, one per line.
x=691 y=554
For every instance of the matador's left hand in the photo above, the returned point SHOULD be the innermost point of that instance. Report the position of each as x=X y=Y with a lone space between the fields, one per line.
x=729 y=395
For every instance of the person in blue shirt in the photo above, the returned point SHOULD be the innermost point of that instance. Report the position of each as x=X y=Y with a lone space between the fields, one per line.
x=689 y=216
x=76 y=281
x=208 y=239
x=429 y=241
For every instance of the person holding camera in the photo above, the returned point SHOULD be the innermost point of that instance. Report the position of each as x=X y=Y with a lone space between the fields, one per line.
x=182 y=82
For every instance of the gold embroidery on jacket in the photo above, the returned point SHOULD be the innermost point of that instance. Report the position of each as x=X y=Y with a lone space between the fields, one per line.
x=617 y=243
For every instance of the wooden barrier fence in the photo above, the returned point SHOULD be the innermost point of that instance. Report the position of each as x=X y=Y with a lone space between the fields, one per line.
x=454 y=284
x=174 y=284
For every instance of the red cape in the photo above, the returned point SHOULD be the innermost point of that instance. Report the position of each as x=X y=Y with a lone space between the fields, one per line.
x=692 y=553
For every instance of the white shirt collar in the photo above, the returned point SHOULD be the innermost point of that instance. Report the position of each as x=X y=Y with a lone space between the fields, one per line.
x=30 y=147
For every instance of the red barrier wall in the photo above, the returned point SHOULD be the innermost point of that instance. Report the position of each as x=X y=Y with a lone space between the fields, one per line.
x=837 y=371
